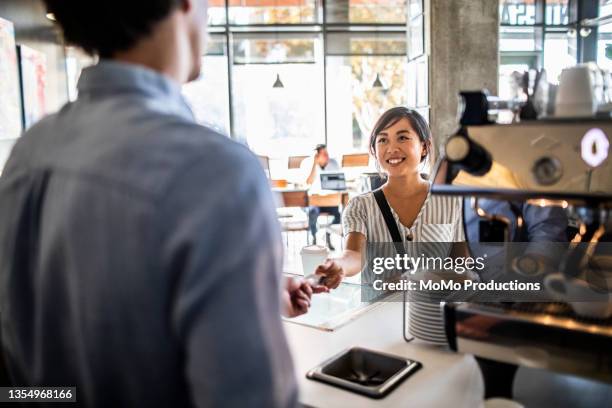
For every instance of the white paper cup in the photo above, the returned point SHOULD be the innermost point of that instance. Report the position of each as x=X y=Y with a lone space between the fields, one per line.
x=502 y=403
x=313 y=256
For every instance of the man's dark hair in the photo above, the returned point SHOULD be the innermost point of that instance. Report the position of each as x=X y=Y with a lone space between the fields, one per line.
x=108 y=26
x=320 y=147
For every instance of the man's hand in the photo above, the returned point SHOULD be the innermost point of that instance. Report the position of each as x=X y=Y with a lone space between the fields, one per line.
x=332 y=272
x=297 y=296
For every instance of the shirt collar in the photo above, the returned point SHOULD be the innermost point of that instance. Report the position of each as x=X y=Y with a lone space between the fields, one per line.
x=113 y=77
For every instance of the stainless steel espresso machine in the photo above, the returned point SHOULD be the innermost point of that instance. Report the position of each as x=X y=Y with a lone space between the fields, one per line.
x=560 y=164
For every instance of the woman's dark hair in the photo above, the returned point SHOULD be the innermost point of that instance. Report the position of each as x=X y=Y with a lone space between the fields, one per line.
x=105 y=27
x=394 y=115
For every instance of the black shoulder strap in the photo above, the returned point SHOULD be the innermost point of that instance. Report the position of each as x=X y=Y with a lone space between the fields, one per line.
x=383 y=205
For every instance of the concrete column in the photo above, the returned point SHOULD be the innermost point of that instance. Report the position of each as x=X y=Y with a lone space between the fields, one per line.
x=463 y=56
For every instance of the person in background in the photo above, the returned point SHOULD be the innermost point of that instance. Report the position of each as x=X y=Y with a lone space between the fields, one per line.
x=120 y=274
x=312 y=168
x=401 y=143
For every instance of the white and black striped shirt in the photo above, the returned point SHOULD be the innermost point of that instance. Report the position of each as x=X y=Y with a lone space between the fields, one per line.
x=439 y=220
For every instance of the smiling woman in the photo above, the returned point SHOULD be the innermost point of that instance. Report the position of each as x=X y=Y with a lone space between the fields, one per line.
x=410 y=130
x=403 y=209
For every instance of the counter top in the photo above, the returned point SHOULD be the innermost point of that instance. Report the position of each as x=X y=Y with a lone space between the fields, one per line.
x=446 y=379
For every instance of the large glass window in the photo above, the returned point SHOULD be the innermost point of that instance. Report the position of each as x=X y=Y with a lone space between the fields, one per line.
x=366 y=11
x=278 y=93
x=354 y=103
x=273 y=11
x=557 y=12
x=559 y=53
x=216 y=12
x=535 y=34
x=417 y=71
x=517 y=12
x=273 y=49
x=604 y=36
x=300 y=75
x=366 y=75
x=520 y=39
x=209 y=95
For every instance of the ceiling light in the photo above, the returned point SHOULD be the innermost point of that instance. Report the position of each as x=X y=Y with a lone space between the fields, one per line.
x=278 y=83
x=378 y=83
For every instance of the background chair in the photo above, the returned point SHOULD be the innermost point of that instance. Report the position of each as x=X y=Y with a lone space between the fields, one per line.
x=355 y=160
x=265 y=163
x=325 y=220
x=295 y=162
x=293 y=220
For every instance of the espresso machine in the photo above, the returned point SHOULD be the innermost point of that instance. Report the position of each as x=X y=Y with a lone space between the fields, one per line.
x=563 y=163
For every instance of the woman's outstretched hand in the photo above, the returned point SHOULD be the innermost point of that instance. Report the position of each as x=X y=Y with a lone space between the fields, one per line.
x=332 y=273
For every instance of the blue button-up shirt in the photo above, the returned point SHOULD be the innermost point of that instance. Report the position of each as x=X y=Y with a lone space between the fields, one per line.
x=140 y=255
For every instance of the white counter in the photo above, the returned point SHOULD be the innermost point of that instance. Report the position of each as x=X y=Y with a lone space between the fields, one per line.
x=446 y=378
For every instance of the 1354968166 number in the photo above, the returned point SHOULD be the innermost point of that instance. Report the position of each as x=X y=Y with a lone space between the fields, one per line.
x=34 y=394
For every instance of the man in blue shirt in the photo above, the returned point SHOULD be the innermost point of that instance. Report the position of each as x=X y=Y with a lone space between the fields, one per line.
x=119 y=273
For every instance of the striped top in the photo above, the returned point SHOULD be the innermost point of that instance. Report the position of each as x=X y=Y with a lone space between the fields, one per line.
x=439 y=220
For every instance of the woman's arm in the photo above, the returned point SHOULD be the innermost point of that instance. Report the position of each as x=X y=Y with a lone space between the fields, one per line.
x=349 y=264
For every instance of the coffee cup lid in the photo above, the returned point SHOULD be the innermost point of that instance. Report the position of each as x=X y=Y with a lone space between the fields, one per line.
x=314 y=249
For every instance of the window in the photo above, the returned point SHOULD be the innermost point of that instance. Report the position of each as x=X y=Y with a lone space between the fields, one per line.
x=557 y=12
x=559 y=53
x=216 y=12
x=418 y=66
x=273 y=11
x=354 y=104
x=517 y=12
x=520 y=39
x=279 y=121
x=355 y=61
x=366 y=11
x=604 y=36
x=273 y=49
x=209 y=95
x=536 y=34
x=330 y=70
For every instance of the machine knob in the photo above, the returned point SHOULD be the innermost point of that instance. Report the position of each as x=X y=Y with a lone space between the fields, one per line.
x=465 y=154
x=547 y=171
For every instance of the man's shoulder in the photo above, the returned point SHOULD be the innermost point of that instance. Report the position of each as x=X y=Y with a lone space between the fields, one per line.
x=194 y=147
x=150 y=158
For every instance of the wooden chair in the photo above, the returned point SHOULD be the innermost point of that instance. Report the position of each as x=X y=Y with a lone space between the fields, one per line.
x=297 y=220
x=295 y=161
x=356 y=160
x=327 y=200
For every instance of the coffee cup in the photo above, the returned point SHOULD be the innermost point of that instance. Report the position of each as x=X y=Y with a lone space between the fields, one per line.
x=313 y=256
x=502 y=403
x=584 y=300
